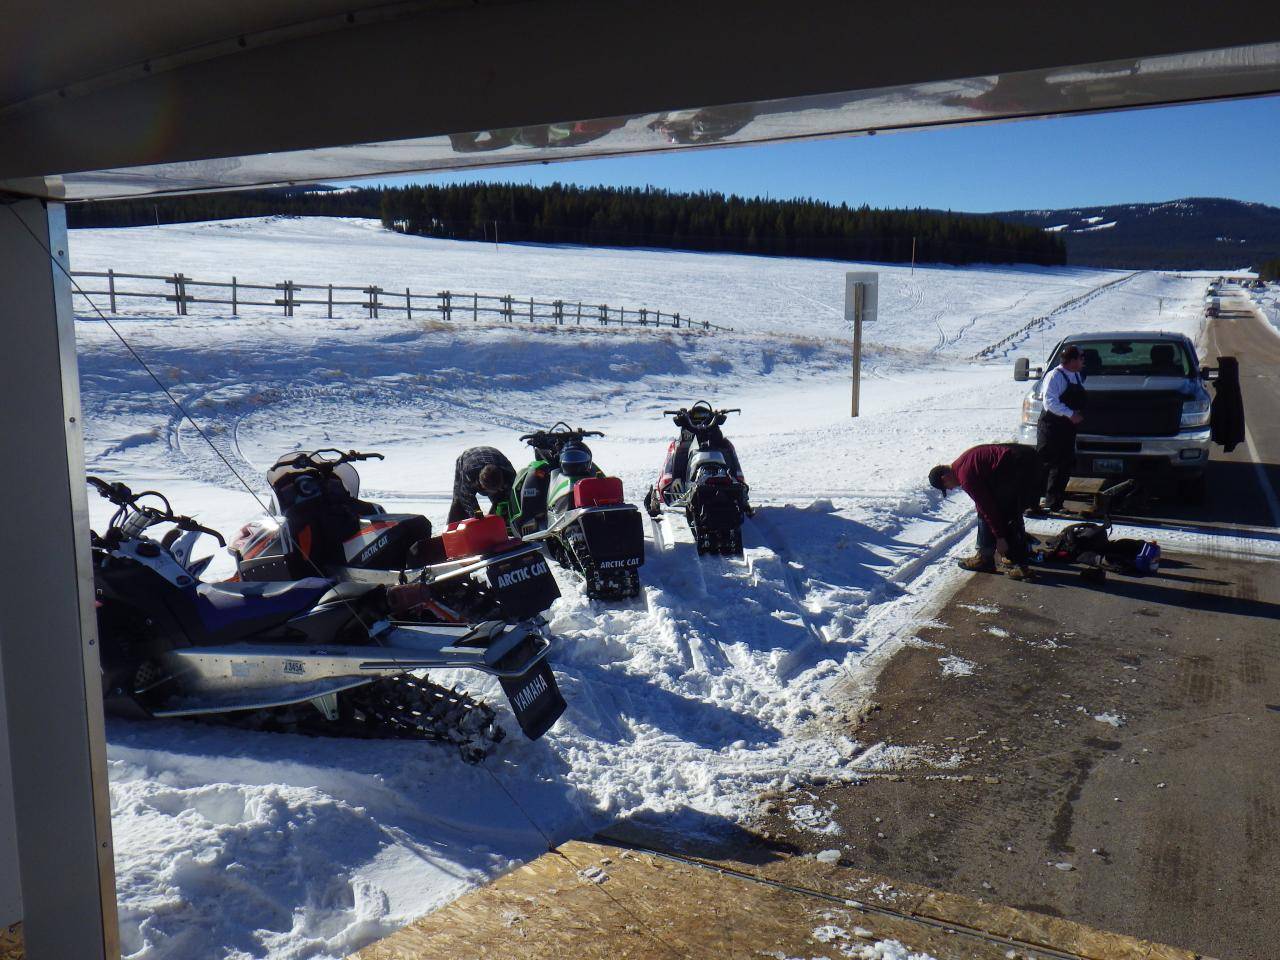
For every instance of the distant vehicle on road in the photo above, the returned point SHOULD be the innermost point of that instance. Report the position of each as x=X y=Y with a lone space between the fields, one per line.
x=1148 y=410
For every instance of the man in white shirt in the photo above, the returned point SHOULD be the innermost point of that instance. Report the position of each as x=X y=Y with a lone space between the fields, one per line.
x=1056 y=429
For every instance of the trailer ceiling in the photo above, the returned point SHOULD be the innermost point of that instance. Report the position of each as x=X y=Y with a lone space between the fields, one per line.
x=134 y=98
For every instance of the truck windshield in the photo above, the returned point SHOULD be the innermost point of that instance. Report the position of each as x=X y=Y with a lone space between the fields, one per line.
x=1130 y=358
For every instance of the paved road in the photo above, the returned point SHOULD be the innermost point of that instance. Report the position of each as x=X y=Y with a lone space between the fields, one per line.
x=1241 y=332
x=1167 y=826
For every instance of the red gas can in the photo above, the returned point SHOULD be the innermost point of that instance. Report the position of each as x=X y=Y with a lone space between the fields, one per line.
x=466 y=538
x=597 y=492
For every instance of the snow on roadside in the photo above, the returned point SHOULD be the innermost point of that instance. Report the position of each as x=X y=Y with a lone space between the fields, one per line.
x=681 y=707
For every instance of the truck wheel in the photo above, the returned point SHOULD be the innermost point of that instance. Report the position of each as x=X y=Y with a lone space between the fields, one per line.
x=1192 y=490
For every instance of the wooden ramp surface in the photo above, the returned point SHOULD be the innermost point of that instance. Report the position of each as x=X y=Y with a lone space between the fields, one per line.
x=591 y=900
x=11 y=942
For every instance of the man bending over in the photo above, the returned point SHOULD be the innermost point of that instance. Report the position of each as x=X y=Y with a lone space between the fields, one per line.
x=1002 y=479
x=479 y=470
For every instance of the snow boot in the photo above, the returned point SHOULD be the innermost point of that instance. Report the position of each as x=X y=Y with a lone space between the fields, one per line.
x=980 y=562
x=1019 y=571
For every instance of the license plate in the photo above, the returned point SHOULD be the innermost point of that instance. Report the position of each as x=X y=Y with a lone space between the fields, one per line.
x=1108 y=465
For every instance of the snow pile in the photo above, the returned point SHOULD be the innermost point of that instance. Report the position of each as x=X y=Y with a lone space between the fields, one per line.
x=682 y=706
x=954 y=666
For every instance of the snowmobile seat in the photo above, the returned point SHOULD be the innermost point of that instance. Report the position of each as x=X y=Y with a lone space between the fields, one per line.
x=228 y=611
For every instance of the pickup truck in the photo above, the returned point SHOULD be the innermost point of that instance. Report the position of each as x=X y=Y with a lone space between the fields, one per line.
x=1148 y=411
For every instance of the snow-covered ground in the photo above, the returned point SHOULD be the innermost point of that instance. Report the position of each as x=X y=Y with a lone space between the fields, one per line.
x=681 y=707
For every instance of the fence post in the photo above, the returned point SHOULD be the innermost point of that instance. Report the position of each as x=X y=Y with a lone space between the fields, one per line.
x=111 y=287
x=557 y=311
x=604 y=315
x=622 y=316
x=676 y=320
x=579 y=313
x=235 y=296
x=371 y=304
x=531 y=309
x=288 y=287
x=446 y=305
x=644 y=317
x=177 y=300
x=475 y=308
x=507 y=313
x=408 y=304
x=331 y=301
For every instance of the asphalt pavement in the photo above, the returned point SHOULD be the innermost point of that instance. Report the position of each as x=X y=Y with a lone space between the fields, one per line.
x=1101 y=752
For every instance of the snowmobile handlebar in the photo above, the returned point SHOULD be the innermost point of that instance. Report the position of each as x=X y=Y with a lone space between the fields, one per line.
x=548 y=438
x=707 y=417
x=321 y=459
x=125 y=499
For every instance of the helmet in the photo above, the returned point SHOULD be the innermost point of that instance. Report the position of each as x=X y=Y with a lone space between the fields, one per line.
x=575 y=459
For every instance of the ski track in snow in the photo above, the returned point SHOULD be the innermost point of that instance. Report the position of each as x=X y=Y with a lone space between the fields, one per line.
x=682 y=705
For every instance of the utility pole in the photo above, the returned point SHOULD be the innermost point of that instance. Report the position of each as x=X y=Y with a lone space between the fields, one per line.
x=913 y=256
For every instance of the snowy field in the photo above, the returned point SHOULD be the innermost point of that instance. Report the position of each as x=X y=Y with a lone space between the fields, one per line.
x=683 y=706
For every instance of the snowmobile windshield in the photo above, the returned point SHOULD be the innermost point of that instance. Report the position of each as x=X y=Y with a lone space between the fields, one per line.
x=350 y=479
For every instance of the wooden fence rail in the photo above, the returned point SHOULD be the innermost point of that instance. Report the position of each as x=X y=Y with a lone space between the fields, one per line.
x=449 y=306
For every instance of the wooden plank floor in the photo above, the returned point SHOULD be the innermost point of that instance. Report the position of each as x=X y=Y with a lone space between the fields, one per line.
x=594 y=900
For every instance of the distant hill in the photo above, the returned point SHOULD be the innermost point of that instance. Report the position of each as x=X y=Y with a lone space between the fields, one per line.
x=1205 y=232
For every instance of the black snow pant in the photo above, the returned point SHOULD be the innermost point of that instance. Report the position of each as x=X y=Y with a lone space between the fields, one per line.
x=1056 y=445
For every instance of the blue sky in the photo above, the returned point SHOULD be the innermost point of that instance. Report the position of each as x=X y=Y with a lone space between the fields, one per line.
x=1227 y=149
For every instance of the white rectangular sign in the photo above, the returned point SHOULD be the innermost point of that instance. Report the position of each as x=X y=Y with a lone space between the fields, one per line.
x=871 y=283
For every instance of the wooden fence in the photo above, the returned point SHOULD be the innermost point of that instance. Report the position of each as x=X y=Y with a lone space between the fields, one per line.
x=371 y=300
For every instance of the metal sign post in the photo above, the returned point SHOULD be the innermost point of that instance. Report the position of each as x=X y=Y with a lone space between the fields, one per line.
x=860 y=303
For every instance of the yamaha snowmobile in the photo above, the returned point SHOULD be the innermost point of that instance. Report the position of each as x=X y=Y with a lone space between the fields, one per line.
x=563 y=500
x=702 y=480
x=474 y=571
x=304 y=655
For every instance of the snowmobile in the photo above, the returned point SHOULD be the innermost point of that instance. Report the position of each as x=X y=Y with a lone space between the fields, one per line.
x=563 y=500
x=474 y=571
x=703 y=480
x=306 y=655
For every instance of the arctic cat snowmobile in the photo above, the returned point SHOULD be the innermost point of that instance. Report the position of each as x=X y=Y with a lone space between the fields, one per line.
x=703 y=480
x=564 y=500
x=474 y=571
x=306 y=655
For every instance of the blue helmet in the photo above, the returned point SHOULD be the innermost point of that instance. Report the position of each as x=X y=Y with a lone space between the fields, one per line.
x=575 y=459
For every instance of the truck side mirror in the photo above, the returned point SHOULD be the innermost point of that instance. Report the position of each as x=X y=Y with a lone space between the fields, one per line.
x=1020 y=367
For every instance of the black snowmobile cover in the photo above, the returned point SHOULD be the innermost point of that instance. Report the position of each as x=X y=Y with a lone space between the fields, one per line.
x=1226 y=416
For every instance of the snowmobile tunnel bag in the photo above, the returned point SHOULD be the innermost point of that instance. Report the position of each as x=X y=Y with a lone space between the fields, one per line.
x=466 y=538
x=597 y=492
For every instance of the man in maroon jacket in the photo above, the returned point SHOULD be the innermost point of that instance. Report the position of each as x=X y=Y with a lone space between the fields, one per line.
x=1003 y=479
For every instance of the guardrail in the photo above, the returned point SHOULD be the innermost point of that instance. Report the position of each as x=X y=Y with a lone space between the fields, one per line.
x=373 y=300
